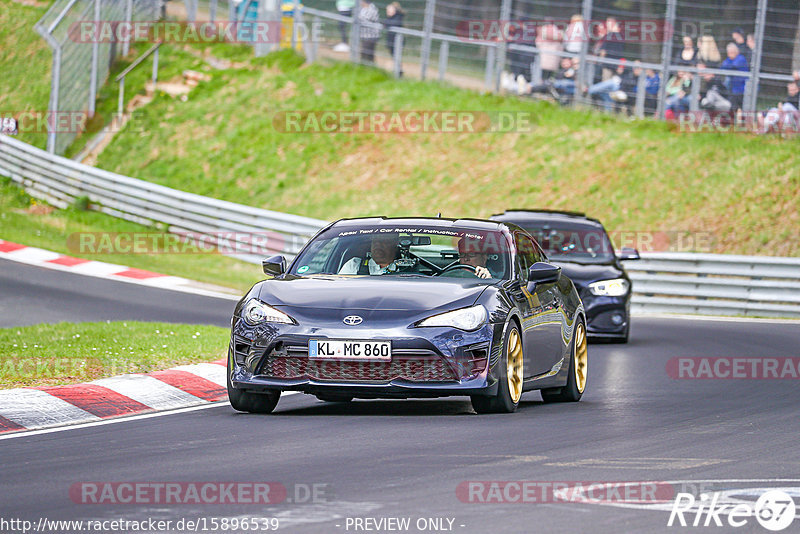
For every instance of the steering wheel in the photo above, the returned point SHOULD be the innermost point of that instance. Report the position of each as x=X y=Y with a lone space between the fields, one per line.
x=454 y=266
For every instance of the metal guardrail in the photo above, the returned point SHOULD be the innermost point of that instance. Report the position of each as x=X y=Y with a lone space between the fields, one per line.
x=717 y=284
x=60 y=181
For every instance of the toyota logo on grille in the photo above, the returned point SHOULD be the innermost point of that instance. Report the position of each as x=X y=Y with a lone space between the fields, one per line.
x=352 y=320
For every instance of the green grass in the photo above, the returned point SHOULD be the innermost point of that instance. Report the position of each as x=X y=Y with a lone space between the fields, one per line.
x=29 y=222
x=26 y=61
x=635 y=176
x=66 y=353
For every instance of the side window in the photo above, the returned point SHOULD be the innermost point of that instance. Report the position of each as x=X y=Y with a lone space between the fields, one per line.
x=527 y=254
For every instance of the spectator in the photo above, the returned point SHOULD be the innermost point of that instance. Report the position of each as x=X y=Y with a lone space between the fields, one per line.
x=679 y=87
x=549 y=38
x=613 y=43
x=713 y=94
x=604 y=88
x=708 y=52
x=394 y=19
x=784 y=118
x=738 y=39
x=652 y=83
x=751 y=47
x=345 y=9
x=576 y=34
x=688 y=54
x=368 y=17
x=562 y=83
x=735 y=61
x=520 y=61
x=626 y=94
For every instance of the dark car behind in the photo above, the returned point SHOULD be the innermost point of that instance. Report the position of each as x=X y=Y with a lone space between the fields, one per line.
x=582 y=248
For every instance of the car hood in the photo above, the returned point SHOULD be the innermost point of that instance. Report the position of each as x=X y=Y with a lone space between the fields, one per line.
x=370 y=293
x=583 y=274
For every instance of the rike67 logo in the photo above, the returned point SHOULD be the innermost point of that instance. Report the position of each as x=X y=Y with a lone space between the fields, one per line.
x=774 y=510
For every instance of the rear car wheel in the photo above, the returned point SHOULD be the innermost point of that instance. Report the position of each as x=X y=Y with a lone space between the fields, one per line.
x=509 y=387
x=245 y=401
x=578 y=365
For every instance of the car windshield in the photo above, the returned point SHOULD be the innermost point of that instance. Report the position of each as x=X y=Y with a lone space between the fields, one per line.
x=573 y=243
x=419 y=251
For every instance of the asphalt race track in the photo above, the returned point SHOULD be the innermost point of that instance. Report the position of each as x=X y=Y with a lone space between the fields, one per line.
x=31 y=295
x=406 y=459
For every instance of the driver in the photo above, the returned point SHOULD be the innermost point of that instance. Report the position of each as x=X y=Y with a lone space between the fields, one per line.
x=381 y=257
x=473 y=253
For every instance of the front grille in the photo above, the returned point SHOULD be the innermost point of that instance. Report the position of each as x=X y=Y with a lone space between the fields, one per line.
x=412 y=369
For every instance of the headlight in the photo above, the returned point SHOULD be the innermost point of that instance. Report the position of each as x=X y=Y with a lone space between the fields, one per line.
x=610 y=288
x=256 y=312
x=463 y=319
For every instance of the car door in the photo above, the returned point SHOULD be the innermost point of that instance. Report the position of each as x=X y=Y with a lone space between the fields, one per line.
x=542 y=326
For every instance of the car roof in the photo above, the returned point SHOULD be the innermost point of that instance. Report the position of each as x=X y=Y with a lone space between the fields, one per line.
x=533 y=216
x=438 y=222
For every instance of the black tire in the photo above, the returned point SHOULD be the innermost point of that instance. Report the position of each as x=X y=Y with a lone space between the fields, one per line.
x=246 y=401
x=504 y=400
x=571 y=392
x=332 y=397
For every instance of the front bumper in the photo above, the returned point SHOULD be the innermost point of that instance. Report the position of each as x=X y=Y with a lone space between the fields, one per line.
x=606 y=316
x=426 y=362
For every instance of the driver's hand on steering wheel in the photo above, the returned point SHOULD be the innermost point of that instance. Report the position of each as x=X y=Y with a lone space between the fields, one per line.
x=482 y=272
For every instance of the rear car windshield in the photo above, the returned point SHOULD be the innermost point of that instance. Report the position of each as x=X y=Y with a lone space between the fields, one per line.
x=573 y=242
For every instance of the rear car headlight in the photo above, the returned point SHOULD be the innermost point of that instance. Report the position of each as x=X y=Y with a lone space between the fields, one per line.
x=463 y=319
x=256 y=312
x=610 y=288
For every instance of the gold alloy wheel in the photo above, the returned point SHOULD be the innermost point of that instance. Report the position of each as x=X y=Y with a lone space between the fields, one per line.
x=581 y=357
x=514 y=366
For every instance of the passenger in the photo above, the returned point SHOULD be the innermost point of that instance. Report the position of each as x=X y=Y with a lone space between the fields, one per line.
x=473 y=253
x=380 y=260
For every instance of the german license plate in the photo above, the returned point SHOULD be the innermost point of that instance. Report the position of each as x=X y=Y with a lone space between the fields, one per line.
x=337 y=349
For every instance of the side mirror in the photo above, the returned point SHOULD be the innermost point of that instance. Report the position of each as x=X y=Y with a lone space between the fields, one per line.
x=628 y=254
x=543 y=273
x=274 y=266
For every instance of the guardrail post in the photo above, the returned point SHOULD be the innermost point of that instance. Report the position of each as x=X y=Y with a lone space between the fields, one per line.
x=311 y=43
x=694 y=99
x=355 y=34
x=505 y=31
x=444 y=54
x=491 y=55
x=95 y=60
x=536 y=69
x=641 y=82
x=427 y=29
x=155 y=68
x=212 y=11
x=666 y=57
x=295 y=22
x=54 y=96
x=398 y=55
x=121 y=98
x=582 y=79
x=761 y=14
x=126 y=44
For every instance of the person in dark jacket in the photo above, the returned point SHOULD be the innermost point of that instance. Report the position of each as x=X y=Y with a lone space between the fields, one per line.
x=713 y=93
x=394 y=19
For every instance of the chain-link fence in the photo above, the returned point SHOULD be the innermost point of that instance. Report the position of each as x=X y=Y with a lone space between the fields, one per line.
x=82 y=59
x=664 y=58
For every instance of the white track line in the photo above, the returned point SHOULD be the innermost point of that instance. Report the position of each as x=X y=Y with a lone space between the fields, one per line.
x=102 y=422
